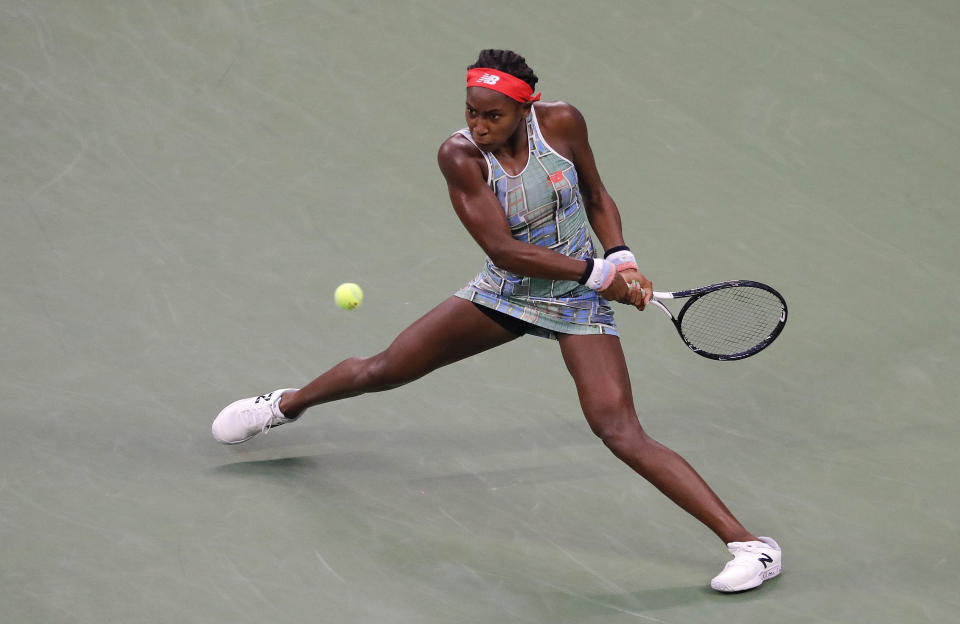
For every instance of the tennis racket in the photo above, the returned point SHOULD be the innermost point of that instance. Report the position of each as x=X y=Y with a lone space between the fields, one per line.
x=729 y=320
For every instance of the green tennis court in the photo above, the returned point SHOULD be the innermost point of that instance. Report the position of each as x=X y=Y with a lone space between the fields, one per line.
x=183 y=185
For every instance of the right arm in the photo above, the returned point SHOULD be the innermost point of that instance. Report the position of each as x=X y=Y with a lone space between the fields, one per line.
x=481 y=213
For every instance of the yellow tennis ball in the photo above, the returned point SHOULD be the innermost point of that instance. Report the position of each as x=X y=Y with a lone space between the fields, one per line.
x=348 y=296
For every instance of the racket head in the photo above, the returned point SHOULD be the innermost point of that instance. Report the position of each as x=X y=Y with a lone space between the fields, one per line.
x=731 y=320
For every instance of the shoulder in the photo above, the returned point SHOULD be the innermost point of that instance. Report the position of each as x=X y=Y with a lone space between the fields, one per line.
x=563 y=127
x=459 y=158
x=457 y=146
x=560 y=118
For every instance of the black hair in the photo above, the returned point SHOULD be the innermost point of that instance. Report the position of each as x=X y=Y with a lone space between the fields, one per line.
x=508 y=62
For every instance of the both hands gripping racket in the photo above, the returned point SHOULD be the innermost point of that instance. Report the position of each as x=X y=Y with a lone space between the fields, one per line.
x=729 y=320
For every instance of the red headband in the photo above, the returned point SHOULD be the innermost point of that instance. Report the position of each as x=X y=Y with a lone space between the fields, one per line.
x=510 y=86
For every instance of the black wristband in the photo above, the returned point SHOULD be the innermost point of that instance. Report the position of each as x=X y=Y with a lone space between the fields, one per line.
x=614 y=250
x=586 y=274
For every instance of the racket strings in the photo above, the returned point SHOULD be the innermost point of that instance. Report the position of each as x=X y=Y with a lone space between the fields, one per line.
x=731 y=320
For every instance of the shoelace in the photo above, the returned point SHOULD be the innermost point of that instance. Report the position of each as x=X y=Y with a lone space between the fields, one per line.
x=250 y=415
x=275 y=419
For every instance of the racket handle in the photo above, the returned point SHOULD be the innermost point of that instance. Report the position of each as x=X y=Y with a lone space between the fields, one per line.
x=662 y=307
x=662 y=295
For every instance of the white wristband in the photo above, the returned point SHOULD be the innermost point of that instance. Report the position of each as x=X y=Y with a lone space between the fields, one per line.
x=623 y=259
x=602 y=274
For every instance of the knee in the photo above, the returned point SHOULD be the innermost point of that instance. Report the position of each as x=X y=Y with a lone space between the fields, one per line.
x=617 y=425
x=620 y=431
x=381 y=372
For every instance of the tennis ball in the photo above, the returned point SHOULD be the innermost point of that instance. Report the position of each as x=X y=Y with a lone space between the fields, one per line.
x=348 y=296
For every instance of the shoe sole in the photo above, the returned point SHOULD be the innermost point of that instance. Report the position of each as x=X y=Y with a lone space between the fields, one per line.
x=243 y=440
x=233 y=442
x=752 y=583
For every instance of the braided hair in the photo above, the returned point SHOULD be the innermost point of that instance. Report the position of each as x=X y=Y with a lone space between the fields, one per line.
x=508 y=62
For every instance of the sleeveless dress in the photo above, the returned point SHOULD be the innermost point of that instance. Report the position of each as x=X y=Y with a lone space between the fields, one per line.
x=544 y=207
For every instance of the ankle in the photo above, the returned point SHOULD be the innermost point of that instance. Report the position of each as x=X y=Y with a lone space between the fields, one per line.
x=288 y=407
x=740 y=536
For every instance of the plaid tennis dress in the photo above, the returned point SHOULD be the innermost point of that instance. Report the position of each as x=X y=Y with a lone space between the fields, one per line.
x=544 y=207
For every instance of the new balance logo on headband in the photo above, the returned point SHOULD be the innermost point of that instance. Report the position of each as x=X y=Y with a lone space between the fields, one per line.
x=510 y=86
x=488 y=79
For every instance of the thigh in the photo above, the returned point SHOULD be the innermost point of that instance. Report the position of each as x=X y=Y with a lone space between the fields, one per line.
x=452 y=331
x=599 y=370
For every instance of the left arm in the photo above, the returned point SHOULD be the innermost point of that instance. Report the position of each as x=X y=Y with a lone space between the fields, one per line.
x=602 y=211
x=568 y=123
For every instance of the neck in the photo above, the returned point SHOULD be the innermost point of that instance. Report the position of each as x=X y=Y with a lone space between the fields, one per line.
x=516 y=144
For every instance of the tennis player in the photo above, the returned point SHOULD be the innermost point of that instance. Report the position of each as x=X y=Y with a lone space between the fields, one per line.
x=523 y=181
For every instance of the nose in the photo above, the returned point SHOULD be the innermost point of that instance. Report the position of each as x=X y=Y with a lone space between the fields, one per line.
x=479 y=129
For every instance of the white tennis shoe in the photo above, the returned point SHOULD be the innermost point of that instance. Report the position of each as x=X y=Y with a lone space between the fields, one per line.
x=752 y=564
x=243 y=419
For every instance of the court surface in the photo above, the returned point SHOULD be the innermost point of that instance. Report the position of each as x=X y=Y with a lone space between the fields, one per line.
x=183 y=184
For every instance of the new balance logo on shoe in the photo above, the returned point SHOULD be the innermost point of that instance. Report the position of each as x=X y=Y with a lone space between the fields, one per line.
x=753 y=563
x=488 y=79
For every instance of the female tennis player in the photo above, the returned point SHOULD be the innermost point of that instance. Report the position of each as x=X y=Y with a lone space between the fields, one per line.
x=523 y=181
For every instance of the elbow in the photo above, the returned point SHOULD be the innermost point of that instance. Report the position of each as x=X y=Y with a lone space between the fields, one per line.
x=597 y=199
x=500 y=259
x=503 y=255
x=592 y=198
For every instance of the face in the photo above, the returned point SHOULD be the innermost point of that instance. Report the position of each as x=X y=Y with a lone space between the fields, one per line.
x=492 y=117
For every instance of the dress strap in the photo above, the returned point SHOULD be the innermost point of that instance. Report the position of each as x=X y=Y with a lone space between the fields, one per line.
x=486 y=156
x=538 y=143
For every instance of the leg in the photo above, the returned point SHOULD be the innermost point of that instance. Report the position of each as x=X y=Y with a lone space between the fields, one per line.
x=600 y=372
x=453 y=330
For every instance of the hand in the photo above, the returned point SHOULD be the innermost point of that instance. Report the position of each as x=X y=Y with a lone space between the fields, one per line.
x=641 y=289
x=618 y=290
